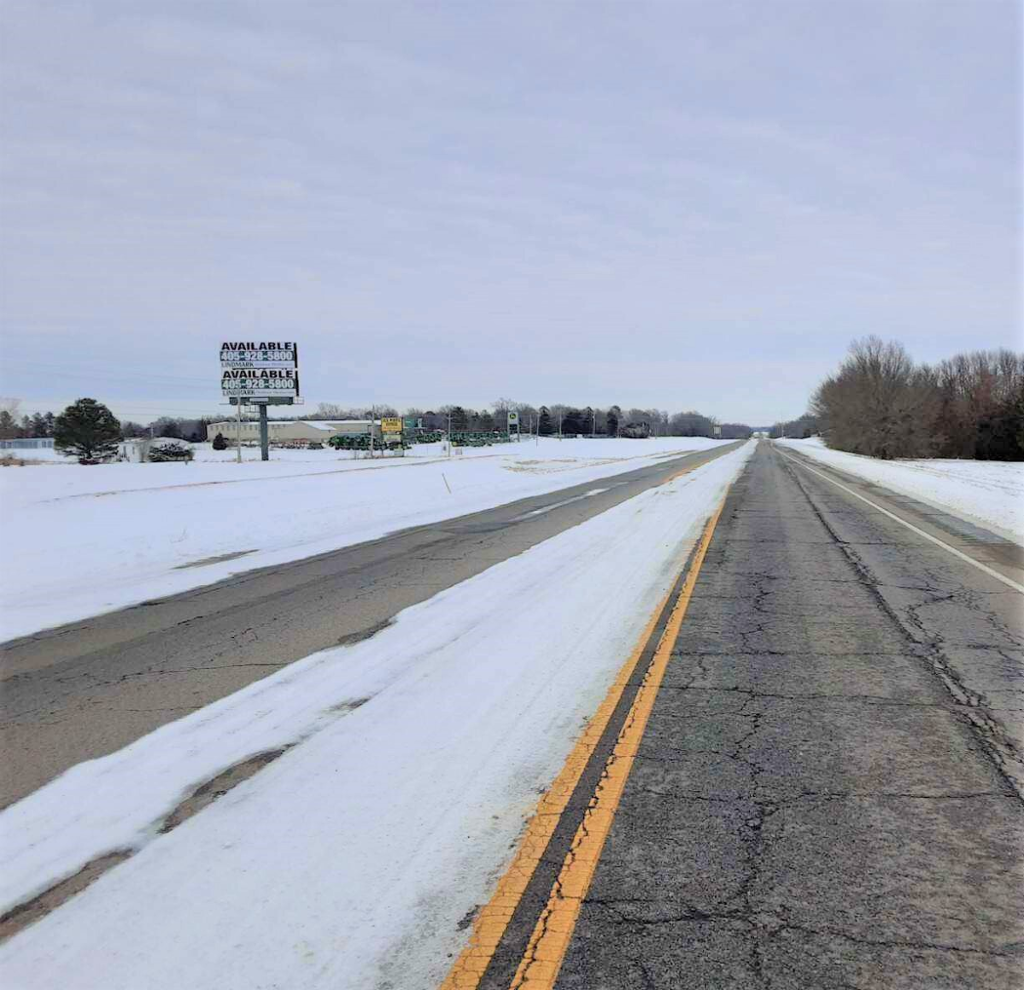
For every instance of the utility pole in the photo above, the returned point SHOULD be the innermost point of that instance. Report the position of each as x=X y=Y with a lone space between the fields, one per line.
x=449 y=433
x=238 y=433
x=559 y=425
x=593 y=424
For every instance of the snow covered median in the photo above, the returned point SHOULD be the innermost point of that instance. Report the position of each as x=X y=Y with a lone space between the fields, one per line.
x=987 y=493
x=416 y=758
x=78 y=541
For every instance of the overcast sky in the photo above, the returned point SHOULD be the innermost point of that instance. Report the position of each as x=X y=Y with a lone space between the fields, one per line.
x=681 y=205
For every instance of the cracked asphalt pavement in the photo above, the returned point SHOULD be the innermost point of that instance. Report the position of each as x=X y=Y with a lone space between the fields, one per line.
x=829 y=790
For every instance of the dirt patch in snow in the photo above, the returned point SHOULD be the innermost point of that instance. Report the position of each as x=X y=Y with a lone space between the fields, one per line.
x=31 y=911
x=218 y=786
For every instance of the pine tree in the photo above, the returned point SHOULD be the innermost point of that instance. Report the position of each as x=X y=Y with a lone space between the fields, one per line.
x=611 y=423
x=8 y=425
x=572 y=422
x=88 y=430
x=544 y=423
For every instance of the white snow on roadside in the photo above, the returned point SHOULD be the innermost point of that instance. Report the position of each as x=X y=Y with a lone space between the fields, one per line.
x=349 y=861
x=988 y=493
x=79 y=541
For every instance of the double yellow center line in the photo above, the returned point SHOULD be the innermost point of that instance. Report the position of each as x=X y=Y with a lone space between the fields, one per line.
x=547 y=945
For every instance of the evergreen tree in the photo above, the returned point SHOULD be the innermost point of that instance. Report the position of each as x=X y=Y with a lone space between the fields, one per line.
x=88 y=430
x=219 y=443
x=572 y=422
x=544 y=422
x=8 y=425
x=611 y=422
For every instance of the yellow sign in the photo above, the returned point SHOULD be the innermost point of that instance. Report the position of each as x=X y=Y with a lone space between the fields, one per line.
x=391 y=424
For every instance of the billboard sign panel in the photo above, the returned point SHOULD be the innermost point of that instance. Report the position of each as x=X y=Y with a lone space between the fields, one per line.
x=513 y=417
x=390 y=424
x=265 y=382
x=260 y=369
x=258 y=354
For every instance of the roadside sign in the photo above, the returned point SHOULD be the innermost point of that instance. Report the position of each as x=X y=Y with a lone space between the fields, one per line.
x=513 y=417
x=266 y=382
x=259 y=373
x=717 y=430
x=258 y=354
x=265 y=369
x=390 y=424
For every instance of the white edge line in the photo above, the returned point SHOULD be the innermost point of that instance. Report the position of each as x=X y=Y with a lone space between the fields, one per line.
x=558 y=505
x=1009 y=582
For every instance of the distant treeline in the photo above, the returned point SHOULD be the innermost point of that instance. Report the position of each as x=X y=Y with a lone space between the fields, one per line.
x=552 y=420
x=40 y=425
x=880 y=403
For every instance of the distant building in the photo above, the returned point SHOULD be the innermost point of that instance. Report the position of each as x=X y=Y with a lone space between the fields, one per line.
x=293 y=429
x=27 y=443
x=135 y=450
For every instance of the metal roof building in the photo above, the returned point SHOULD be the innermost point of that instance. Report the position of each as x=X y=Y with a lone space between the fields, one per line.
x=293 y=429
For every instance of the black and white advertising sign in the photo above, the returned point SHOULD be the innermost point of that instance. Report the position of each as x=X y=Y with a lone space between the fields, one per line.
x=283 y=382
x=259 y=369
x=258 y=354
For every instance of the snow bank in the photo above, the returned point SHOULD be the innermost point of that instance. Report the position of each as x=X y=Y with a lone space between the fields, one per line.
x=988 y=493
x=350 y=861
x=85 y=540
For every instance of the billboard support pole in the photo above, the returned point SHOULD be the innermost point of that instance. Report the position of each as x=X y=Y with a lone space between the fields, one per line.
x=238 y=434
x=264 y=438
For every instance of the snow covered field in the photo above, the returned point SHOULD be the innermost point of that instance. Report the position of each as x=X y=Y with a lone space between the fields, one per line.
x=78 y=541
x=988 y=493
x=350 y=860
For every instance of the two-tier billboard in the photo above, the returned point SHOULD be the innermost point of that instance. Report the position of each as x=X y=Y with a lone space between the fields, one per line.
x=266 y=370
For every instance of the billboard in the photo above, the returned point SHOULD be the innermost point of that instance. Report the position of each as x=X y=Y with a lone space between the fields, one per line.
x=265 y=382
x=264 y=369
x=390 y=424
x=258 y=354
x=513 y=417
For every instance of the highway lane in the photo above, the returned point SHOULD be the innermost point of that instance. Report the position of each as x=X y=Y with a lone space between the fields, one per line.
x=828 y=791
x=91 y=687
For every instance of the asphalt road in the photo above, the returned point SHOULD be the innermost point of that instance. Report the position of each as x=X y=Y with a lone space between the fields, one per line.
x=828 y=793
x=91 y=687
